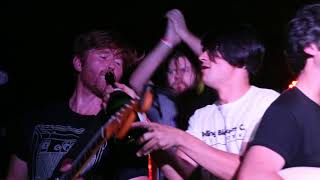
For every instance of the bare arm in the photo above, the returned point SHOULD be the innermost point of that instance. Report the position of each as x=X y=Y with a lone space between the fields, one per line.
x=174 y=164
x=152 y=61
x=222 y=164
x=261 y=163
x=18 y=169
x=219 y=163
x=181 y=28
x=140 y=178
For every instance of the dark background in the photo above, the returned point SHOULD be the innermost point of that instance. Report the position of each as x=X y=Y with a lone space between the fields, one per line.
x=36 y=39
x=37 y=36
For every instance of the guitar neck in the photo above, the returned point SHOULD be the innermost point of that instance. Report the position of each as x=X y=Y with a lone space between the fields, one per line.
x=112 y=126
x=118 y=125
x=84 y=157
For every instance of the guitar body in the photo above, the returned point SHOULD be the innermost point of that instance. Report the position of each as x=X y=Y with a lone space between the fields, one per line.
x=300 y=173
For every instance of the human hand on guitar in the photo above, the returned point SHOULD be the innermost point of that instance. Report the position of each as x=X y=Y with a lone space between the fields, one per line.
x=116 y=87
x=66 y=167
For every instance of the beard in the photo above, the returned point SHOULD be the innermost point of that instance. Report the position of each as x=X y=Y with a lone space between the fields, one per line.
x=179 y=86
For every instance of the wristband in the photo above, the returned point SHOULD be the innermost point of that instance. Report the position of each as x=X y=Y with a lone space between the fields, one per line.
x=167 y=43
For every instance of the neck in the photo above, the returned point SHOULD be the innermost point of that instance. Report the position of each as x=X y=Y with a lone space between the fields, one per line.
x=309 y=84
x=85 y=102
x=234 y=90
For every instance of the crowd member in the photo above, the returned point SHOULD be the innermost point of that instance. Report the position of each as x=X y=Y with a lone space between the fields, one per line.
x=287 y=136
x=218 y=134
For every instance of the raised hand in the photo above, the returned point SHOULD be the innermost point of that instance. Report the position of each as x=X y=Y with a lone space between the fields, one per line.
x=171 y=35
x=176 y=17
x=158 y=137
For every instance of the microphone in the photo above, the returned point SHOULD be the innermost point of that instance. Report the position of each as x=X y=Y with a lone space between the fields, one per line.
x=110 y=78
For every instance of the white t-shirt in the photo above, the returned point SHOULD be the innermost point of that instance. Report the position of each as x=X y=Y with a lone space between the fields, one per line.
x=226 y=127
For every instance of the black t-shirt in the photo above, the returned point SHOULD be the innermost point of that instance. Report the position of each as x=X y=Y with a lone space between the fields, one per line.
x=47 y=135
x=290 y=127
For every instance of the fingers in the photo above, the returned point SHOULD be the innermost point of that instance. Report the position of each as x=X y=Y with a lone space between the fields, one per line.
x=150 y=146
x=143 y=124
x=127 y=90
x=65 y=167
x=173 y=12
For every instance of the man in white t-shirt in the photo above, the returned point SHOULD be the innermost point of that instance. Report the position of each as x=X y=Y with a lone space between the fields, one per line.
x=218 y=134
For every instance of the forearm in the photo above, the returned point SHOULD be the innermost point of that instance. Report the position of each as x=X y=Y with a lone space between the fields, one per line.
x=148 y=66
x=192 y=41
x=222 y=164
x=172 y=165
x=170 y=173
x=255 y=173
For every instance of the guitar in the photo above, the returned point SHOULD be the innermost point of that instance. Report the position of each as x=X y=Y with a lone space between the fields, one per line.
x=300 y=173
x=118 y=125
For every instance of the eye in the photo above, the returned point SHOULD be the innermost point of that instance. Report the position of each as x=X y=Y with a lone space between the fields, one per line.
x=170 y=71
x=118 y=62
x=103 y=56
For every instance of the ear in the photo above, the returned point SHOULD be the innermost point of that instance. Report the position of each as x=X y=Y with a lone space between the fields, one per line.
x=311 y=49
x=77 y=64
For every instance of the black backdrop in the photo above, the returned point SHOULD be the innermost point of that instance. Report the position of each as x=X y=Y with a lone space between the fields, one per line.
x=36 y=39
x=37 y=36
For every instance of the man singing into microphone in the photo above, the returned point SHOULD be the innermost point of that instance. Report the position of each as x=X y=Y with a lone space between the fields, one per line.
x=49 y=133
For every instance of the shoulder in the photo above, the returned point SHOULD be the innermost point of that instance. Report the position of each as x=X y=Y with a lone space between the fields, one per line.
x=289 y=100
x=44 y=112
x=208 y=110
x=263 y=92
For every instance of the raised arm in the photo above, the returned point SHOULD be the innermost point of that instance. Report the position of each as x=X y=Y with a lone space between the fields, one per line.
x=152 y=61
x=181 y=28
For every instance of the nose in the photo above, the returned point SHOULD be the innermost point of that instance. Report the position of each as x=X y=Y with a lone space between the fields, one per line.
x=203 y=56
x=110 y=66
x=178 y=74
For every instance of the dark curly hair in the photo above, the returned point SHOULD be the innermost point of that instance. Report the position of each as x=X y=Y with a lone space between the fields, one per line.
x=304 y=29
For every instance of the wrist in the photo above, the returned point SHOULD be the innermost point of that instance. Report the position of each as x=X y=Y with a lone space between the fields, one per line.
x=185 y=35
x=166 y=42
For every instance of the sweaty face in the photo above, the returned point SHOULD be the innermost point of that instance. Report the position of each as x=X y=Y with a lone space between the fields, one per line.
x=181 y=75
x=215 y=70
x=96 y=65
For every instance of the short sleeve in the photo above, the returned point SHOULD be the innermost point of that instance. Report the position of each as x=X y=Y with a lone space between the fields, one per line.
x=193 y=128
x=279 y=131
